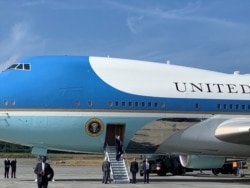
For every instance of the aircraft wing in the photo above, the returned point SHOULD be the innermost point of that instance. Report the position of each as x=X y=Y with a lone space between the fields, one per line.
x=219 y=135
x=210 y=142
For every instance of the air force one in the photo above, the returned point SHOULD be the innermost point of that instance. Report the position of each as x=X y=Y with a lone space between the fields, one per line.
x=79 y=104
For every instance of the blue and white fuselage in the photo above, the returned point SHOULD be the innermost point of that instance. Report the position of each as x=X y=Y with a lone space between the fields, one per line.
x=77 y=103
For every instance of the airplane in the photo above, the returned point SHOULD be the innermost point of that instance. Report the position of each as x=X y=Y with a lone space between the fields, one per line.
x=79 y=104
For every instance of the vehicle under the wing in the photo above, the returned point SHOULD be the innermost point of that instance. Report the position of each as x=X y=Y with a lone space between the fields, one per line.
x=163 y=164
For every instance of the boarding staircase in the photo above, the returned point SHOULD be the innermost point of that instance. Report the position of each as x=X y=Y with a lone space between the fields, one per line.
x=118 y=168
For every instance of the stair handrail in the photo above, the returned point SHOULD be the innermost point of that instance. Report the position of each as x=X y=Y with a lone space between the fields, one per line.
x=126 y=163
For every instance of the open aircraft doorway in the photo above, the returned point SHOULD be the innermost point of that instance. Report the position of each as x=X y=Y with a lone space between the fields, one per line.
x=112 y=130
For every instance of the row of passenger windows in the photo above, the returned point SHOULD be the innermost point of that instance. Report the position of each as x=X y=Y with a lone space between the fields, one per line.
x=128 y=104
x=131 y=104
x=229 y=106
x=9 y=103
x=233 y=106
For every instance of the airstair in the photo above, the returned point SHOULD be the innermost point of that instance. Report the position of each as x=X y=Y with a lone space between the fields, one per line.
x=118 y=169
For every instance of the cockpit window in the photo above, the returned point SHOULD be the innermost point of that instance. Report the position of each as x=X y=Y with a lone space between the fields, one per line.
x=21 y=66
x=13 y=66
x=26 y=66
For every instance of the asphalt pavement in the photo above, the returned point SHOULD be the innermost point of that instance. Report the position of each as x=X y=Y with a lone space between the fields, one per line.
x=91 y=177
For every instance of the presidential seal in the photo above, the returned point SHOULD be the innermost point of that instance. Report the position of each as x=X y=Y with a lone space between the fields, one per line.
x=94 y=127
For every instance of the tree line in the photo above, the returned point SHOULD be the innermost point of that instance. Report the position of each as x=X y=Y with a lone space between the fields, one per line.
x=13 y=148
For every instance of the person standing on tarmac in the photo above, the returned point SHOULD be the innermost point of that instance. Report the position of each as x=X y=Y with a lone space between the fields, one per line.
x=145 y=168
x=134 y=169
x=13 y=168
x=105 y=170
x=44 y=173
x=6 y=167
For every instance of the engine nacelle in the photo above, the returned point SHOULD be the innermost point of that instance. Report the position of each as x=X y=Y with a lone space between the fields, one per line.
x=201 y=161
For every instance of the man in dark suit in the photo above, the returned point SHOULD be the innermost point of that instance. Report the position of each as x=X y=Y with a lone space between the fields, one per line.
x=44 y=173
x=13 y=168
x=119 y=147
x=134 y=169
x=146 y=168
x=6 y=167
x=105 y=170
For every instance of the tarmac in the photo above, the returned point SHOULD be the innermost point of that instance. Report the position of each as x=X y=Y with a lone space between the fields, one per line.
x=91 y=177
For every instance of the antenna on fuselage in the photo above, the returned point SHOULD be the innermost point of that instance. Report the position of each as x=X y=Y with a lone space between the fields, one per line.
x=236 y=72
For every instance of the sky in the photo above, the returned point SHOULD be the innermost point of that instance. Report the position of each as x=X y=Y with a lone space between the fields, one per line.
x=207 y=34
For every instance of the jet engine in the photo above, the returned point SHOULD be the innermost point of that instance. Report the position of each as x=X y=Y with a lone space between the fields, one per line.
x=201 y=161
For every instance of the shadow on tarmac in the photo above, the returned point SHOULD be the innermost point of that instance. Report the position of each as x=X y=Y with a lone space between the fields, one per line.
x=166 y=179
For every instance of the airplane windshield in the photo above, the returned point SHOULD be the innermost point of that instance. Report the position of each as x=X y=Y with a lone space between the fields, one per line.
x=21 y=66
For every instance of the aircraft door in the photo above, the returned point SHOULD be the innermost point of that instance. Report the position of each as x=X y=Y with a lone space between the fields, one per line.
x=113 y=130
